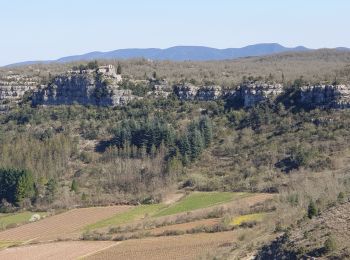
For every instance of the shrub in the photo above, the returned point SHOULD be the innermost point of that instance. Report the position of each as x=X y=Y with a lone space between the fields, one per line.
x=172 y=233
x=312 y=210
x=74 y=186
x=120 y=238
x=95 y=236
x=85 y=157
x=330 y=244
x=341 y=197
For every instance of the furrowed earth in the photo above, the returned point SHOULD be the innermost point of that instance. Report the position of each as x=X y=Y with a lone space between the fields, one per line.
x=186 y=228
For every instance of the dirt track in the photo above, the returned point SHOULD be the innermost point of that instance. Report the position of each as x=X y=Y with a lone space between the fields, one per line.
x=61 y=226
x=55 y=251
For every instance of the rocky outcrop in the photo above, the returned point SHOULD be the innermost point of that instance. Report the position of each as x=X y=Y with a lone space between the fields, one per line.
x=331 y=96
x=13 y=92
x=186 y=91
x=254 y=93
x=207 y=93
x=248 y=94
x=85 y=87
x=13 y=88
x=160 y=88
x=251 y=94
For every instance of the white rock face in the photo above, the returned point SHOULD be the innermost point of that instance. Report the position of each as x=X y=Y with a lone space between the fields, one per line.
x=85 y=88
x=253 y=94
x=250 y=94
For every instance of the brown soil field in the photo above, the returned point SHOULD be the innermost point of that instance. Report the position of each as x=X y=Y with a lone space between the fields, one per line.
x=247 y=202
x=62 y=226
x=55 y=251
x=177 y=247
x=185 y=226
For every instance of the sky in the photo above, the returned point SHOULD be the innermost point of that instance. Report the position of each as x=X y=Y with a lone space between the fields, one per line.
x=50 y=29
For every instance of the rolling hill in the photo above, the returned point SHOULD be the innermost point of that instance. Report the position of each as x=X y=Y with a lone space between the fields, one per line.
x=177 y=53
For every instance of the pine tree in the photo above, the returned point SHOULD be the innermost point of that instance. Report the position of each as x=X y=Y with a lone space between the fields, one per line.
x=206 y=130
x=16 y=185
x=74 y=186
x=51 y=189
x=184 y=145
x=25 y=186
x=119 y=69
x=196 y=142
x=20 y=190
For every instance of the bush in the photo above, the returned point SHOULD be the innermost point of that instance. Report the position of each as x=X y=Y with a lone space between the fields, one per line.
x=341 y=197
x=96 y=236
x=85 y=157
x=312 y=210
x=172 y=233
x=330 y=244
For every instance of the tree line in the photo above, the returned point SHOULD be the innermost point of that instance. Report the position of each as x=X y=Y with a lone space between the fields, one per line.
x=140 y=138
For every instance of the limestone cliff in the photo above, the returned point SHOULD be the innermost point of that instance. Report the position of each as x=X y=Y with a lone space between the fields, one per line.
x=254 y=93
x=100 y=87
x=251 y=94
x=83 y=87
x=248 y=94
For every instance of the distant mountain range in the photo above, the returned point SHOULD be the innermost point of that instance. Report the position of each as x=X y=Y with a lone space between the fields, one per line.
x=180 y=53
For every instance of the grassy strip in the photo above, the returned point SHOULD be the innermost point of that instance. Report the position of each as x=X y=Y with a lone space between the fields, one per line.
x=6 y=244
x=136 y=213
x=199 y=200
x=18 y=218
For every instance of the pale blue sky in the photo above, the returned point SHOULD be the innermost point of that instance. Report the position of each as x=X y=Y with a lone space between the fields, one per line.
x=49 y=29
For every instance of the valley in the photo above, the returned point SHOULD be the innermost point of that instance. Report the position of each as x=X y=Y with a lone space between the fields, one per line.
x=139 y=159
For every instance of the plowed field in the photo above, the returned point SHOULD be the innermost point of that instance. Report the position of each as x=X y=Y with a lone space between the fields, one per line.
x=177 y=247
x=54 y=251
x=61 y=226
